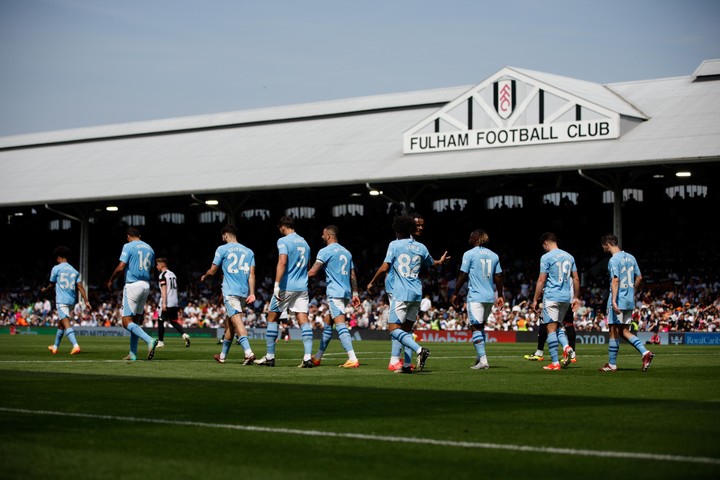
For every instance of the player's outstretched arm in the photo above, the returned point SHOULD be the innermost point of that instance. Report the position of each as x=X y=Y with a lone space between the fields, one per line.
x=443 y=260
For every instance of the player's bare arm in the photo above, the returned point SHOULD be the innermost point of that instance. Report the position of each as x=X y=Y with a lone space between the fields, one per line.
x=353 y=285
x=444 y=259
x=251 y=285
x=84 y=296
x=539 y=287
x=279 y=272
x=211 y=271
x=459 y=283
x=500 y=301
x=118 y=271
x=315 y=268
x=378 y=275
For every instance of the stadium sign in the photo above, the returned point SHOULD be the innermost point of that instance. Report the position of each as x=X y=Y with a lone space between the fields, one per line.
x=701 y=338
x=592 y=338
x=513 y=108
x=507 y=137
x=462 y=336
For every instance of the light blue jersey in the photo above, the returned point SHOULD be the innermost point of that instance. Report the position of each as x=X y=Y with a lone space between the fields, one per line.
x=236 y=261
x=389 y=280
x=295 y=278
x=481 y=265
x=624 y=266
x=559 y=266
x=65 y=278
x=406 y=257
x=338 y=265
x=140 y=258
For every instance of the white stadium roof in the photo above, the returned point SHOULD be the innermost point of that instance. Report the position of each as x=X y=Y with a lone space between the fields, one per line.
x=670 y=120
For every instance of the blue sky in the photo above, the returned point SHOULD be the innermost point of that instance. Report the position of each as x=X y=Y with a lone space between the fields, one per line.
x=77 y=63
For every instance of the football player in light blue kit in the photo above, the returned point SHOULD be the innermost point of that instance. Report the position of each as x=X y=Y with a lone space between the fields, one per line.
x=482 y=267
x=290 y=291
x=395 y=346
x=341 y=290
x=66 y=281
x=405 y=257
x=136 y=261
x=559 y=286
x=238 y=287
x=625 y=277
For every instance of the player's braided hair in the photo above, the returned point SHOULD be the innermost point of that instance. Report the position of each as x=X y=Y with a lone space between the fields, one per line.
x=480 y=237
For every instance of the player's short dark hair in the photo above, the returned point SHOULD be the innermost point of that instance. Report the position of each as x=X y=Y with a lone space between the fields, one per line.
x=62 y=251
x=609 y=239
x=548 y=236
x=133 y=232
x=287 y=221
x=404 y=225
x=161 y=260
x=333 y=230
x=231 y=229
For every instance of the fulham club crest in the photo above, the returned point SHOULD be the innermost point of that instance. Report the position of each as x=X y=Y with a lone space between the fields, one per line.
x=504 y=98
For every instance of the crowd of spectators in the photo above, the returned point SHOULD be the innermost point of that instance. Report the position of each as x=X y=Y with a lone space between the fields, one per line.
x=688 y=304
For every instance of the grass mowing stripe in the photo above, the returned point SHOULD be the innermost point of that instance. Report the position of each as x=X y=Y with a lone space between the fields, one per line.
x=343 y=354
x=381 y=438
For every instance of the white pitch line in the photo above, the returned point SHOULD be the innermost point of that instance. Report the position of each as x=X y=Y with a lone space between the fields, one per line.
x=383 y=438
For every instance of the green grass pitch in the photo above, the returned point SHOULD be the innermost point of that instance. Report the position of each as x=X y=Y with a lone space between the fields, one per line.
x=183 y=415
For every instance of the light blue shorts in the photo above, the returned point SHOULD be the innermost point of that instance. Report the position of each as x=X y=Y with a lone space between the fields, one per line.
x=337 y=306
